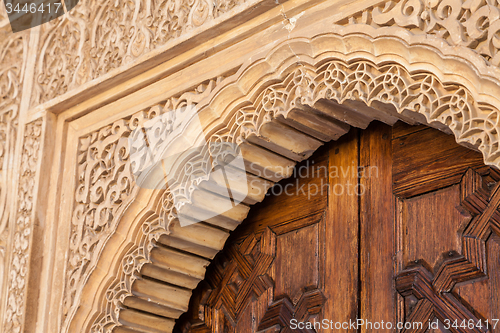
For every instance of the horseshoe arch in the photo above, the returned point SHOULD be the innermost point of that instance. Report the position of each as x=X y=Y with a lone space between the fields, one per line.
x=279 y=108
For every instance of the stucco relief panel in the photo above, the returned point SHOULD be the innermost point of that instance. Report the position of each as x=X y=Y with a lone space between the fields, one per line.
x=96 y=37
x=22 y=230
x=473 y=24
x=13 y=53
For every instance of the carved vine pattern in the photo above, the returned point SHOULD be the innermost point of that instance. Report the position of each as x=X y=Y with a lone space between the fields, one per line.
x=98 y=36
x=12 y=58
x=110 y=34
x=333 y=79
x=23 y=227
x=12 y=53
x=132 y=263
x=474 y=24
x=106 y=185
x=449 y=104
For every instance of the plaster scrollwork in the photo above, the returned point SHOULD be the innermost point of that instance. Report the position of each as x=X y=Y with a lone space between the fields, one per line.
x=12 y=55
x=23 y=227
x=106 y=184
x=473 y=24
x=132 y=263
x=450 y=104
x=96 y=37
x=12 y=59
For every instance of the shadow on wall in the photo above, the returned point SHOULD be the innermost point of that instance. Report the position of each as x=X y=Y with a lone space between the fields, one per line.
x=26 y=14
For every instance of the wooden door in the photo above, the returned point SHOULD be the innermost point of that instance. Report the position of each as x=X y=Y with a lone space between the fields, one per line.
x=395 y=226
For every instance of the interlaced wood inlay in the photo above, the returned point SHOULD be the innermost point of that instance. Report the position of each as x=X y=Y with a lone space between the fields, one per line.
x=237 y=281
x=246 y=276
x=481 y=197
x=281 y=312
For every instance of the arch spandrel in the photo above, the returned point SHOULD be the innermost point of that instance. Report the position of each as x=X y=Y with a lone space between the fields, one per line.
x=325 y=83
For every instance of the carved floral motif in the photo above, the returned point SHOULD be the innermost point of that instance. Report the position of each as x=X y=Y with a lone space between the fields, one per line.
x=449 y=104
x=474 y=24
x=12 y=56
x=19 y=265
x=131 y=265
x=12 y=53
x=96 y=37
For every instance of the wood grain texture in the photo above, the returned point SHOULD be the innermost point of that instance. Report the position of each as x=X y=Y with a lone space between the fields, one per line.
x=298 y=201
x=341 y=236
x=377 y=234
x=400 y=129
x=484 y=296
x=432 y=225
x=428 y=160
x=298 y=267
x=432 y=292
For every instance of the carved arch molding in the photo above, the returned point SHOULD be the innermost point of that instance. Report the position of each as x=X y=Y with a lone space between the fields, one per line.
x=278 y=108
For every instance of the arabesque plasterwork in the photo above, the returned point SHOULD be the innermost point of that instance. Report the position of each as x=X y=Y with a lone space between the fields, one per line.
x=12 y=65
x=106 y=184
x=23 y=228
x=473 y=24
x=97 y=37
x=12 y=53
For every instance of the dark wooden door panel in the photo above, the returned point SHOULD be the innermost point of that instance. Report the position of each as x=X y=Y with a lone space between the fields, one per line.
x=297 y=270
x=430 y=225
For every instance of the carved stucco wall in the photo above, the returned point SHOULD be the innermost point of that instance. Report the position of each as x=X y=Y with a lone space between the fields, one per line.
x=13 y=262
x=97 y=42
x=97 y=37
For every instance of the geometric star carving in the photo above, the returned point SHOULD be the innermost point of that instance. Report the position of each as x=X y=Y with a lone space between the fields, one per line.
x=418 y=282
x=279 y=313
x=246 y=278
x=237 y=281
x=433 y=294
